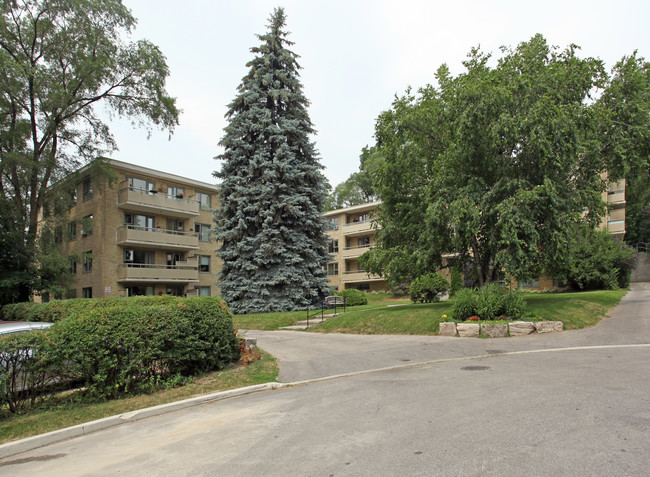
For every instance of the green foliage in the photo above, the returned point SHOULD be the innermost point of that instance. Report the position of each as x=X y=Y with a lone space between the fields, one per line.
x=596 y=261
x=358 y=188
x=354 y=297
x=428 y=288
x=488 y=303
x=27 y=368
x=456 y=282
x=500 y=163
x=60 y=60
x=272 y=190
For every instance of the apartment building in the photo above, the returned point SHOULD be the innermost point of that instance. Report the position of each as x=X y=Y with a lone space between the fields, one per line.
x=614 y=219
x=351 y=234
x=147 y=233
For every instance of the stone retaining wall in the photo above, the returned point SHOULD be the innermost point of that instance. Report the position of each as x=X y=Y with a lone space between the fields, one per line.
x=498 y=330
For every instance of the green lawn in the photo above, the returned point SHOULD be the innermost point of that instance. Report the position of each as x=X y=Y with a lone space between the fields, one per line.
x=65 y=411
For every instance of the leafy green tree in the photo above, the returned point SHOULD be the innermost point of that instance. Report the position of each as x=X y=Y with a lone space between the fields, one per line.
x=495 y=167
x=358 y=188
x=60 y=59
x=272 y=191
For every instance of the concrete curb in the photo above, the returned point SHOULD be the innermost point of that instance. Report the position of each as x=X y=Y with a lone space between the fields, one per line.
x=34 y=442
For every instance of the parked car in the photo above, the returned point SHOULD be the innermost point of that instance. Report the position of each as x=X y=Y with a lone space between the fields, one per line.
x=11 y=327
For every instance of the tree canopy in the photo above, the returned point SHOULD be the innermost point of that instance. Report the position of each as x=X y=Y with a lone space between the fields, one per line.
x=358 y=188
x=497 y=167
x=60 y=59
x=272 y=238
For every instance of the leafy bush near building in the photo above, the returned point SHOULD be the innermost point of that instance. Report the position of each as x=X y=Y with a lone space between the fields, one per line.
x=487 y=303
x=354 y=297
x=121 y=346
x=456 y=282
x=428 y=288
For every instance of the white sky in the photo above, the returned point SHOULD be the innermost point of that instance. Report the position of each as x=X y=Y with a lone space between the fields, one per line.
x=356 y=56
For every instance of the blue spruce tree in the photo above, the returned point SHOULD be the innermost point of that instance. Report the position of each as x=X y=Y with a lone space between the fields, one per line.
x=272 y=190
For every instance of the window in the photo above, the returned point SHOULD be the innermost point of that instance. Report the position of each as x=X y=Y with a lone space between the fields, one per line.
x=87 y=226
x=72 y=230
x=204 y=263
x=529 y=283
x=58 y=234
x=333 y=246
x=353 y=219
x=203 y=291
x=137 y=221
x=87 y=189
x=87 y=292
x=139 y=291
x=88 y=261
x=73 y=265
x=205 y=200
x=172 y=258
x=175 y=225
x=363 y=242
x=141 y=185
x=178 y=192
x=204 y=232
x=73 y=196
x=140 y=257
x=332 y=268
x=331 y=223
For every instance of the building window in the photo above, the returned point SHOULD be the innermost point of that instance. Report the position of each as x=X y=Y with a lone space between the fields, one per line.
x=87 y=292
x=332 y=268
x=363 y=242
x=333 y=246
x=72 y=230
x=88 y=261
x=355 y=219
x=205 y=200
x=178 y=192
x=175 y=225
x=204 y=232
x=141 y=185
x=172 y=259
x=529 y=283
x=73 y=265
x=139 y=222
x=204 y=263
x=58 y=234
x=331 y=223
x=139 y=291
x=87 y=226
x=203 y=291
x=87 y=189
x=73 y=196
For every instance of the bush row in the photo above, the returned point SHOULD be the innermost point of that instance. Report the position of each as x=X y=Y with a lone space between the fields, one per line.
x=123 y=346
x=354 y=297
x=487 y=303
x=428 y=288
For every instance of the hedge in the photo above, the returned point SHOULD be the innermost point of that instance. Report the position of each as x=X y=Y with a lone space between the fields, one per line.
x=354 y=297
x=119 y=346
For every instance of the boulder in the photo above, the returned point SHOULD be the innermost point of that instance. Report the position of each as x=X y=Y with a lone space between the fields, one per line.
x=548 y=326
x=494 y=330
x=468 y=330
x=447 y=329
x=521 y=328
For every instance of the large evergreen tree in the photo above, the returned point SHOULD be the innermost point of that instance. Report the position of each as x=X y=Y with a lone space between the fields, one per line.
x=273 y=244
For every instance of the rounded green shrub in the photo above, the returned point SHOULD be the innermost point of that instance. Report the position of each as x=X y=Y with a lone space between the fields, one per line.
x=428 y=288
x=354 y=297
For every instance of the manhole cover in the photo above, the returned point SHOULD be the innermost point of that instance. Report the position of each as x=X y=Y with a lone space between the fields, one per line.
x=475 y=368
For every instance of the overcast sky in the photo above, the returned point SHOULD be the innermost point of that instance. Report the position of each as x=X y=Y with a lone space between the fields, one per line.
x=356 y=56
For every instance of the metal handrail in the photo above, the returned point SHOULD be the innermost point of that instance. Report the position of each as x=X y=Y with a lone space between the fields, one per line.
x=357 y=223
x=153 y=192
x=159 y=230
x=186 y=266
x=642 y=247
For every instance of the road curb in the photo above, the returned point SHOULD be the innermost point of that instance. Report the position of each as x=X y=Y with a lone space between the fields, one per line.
x=30 y=443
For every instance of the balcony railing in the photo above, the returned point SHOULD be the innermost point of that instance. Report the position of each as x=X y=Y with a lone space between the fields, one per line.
x=357 y=227
x=141 y=200
x=352 y=252
x=157 y=238
x=182 y=272
x=359 y=276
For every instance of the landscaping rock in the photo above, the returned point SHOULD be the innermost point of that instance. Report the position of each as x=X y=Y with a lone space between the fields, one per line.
x=447 y=329
x=521 y=328
x=548 y=326
x=468 y=330
x=495 y=330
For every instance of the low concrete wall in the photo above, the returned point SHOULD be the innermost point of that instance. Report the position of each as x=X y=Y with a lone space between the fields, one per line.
x=498 y=330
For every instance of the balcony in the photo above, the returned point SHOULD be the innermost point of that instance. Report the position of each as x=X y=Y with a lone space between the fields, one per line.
x=616 y=199
x=140 y=200
x=357 y=227
x=359 y=276
x=157 y=238
x=354 y=252
x=182 y=272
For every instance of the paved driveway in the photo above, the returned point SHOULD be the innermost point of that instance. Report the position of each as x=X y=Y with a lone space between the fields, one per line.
x=574 y=403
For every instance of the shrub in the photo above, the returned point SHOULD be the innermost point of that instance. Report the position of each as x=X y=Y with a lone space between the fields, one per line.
x=456 y=282
x=488 y=303
x=428 y=288
x=354 y=297
x=24 y=311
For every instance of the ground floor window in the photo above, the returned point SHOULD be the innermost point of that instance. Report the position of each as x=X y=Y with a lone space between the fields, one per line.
x=203 y=291
x=87 y=292
x=139 y=291
x=175 y=291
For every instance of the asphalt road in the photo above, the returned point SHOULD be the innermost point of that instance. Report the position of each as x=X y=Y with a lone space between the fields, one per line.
x=572 y=403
